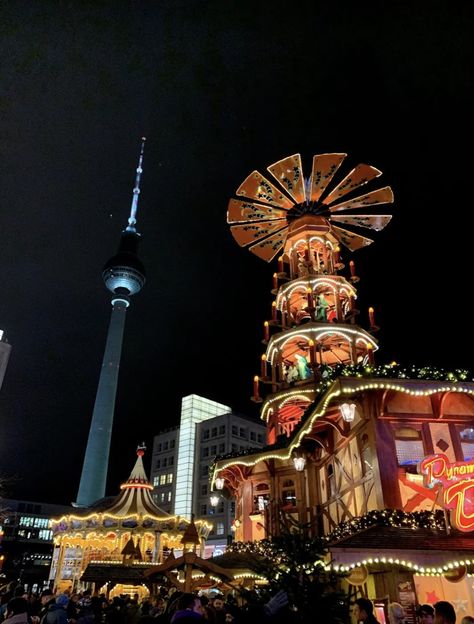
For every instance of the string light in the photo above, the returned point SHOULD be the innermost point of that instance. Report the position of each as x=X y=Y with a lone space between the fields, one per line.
x=392 y=372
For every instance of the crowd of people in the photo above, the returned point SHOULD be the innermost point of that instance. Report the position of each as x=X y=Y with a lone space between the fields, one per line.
x=174 y=607
x=18 y=607
x=441 y=613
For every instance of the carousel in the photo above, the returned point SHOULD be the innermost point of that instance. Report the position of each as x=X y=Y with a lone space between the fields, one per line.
x=112 y=543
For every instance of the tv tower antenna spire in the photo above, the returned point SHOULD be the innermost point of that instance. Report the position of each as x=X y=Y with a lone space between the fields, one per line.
x=132 y=219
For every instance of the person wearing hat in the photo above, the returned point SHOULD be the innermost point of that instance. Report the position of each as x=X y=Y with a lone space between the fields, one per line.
x=56 y=613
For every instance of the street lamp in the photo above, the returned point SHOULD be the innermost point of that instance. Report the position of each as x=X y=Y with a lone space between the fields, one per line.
x=214 y=500
x=347 y=411
x=299 y=460
x=220 y=481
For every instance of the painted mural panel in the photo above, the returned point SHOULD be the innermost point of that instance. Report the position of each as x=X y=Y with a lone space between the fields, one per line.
x=441 y=439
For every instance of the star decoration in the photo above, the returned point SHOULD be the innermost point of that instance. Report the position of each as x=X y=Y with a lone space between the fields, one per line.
x=460 y=604
x=431 y=597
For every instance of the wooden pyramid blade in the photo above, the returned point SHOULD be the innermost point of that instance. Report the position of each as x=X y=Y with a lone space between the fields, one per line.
x=359 y=176
x=349 y=239
x=256 y=186
x=373 y=222
x=380 y=196
x=251 y=232
x=289 y=173
x=241 y=211
x=268 y=248
x=324 y=168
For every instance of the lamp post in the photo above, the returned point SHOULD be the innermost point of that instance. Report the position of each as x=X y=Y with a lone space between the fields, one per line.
x=347 y=411
x=299 y=461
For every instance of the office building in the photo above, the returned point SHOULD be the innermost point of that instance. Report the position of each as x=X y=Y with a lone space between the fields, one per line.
x=182 y=457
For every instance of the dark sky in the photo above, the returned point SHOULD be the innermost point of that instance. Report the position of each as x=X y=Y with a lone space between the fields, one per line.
x=219 y=88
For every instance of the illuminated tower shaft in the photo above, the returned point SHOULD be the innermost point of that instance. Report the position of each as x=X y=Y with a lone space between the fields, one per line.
x=123 y=275
x=96 y=460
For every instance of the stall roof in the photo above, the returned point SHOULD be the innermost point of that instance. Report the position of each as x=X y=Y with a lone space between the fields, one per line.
x=116 y=573
x=395 y=538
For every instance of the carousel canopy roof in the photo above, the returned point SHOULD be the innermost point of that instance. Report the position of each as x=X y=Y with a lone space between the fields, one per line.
x=135 y=496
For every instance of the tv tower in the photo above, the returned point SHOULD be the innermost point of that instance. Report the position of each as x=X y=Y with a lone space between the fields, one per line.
x=124 y=276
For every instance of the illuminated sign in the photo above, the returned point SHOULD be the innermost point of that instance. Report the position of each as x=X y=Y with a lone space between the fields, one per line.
x=457 y=481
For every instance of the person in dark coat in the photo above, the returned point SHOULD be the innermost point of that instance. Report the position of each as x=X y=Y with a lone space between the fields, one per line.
x=17 y=611
x=189 y=609
x=364 y=611
x=56 y=613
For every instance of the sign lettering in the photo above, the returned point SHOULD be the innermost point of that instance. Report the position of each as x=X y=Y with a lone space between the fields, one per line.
x=457 y=481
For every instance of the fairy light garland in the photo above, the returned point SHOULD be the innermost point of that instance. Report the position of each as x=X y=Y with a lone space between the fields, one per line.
x=282 y=450
x=390 y=518
x=284 y=559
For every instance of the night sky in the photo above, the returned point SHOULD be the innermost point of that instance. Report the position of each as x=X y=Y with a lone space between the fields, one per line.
x=219 y=89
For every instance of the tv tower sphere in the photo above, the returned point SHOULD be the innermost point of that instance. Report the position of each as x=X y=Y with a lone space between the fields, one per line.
x=124 y=273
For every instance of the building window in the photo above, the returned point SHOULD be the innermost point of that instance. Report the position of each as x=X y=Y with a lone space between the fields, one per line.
x=204 y=490
x=204 y=471
x=232 y=508
x=156 y=481
x=163 y=495
x=159 y=447
x=220 y=507
x=235 y=430
x=169 y=478
x=205 y=451
x=253 y=436
x=163 y=479
x=165 y=462
x=158 y=464
x=213 y=432
x=260 y=501
x=169 y=496
x=260 y=438
x=288 y=494
x=409 y=446
x=45 y=534
x=235 y=447
x=170 y=461
x=203 y=510
x=365 y=455
x=165 y=445
x=466 y=434
x=221 y=429
x=331 y=480
x=222 y=447
x=171 y=444
x=205 y=434
x=213 y=450
x=243 y=433
x=220 y=528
